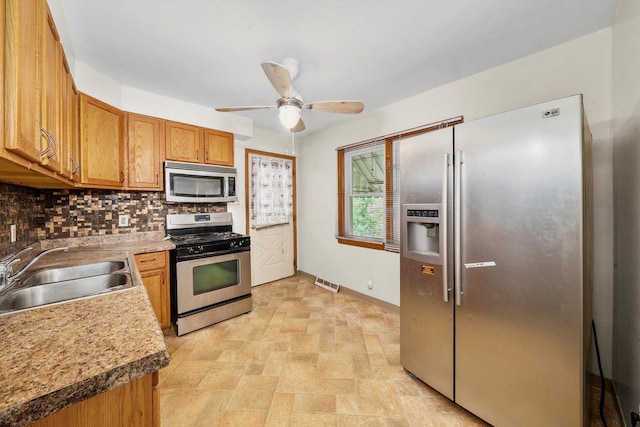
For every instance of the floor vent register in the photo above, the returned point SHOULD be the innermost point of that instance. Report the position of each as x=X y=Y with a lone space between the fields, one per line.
x=325 y=284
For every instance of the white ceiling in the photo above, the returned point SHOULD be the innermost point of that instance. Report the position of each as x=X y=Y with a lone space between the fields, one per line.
x=208 y=52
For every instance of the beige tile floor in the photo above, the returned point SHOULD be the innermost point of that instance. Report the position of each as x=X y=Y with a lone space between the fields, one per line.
x=303 y=357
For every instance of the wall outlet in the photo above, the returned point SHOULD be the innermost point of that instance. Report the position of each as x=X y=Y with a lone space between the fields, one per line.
x=123 y=220
x=13 y=233
x=370 y=283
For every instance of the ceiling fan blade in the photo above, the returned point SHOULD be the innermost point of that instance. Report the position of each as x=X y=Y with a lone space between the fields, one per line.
x=299 y=127
x=279 y=77
x=344 y=107
x=230 y=109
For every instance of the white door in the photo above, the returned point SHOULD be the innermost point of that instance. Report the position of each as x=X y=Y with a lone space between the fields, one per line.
x=271 y=180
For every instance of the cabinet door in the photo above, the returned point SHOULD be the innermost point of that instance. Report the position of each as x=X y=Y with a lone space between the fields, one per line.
x=218 y=147
x=50 y=119
x=102 y=143
x=154 y=271
x=157 y=285
x=22 y=97
x=184 y=142
x=132 y=404
x=69 y=131
x=145 y=146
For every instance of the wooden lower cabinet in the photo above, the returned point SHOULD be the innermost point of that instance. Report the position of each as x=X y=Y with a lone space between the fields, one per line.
x=154 y=270
x=134 y=404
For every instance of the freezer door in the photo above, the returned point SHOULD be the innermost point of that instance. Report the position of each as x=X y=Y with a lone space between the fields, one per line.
x=519 y=327
x=426 y=318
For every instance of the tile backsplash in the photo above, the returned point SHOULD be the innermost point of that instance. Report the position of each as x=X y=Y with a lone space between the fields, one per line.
x=23 y=207
x=55 y=214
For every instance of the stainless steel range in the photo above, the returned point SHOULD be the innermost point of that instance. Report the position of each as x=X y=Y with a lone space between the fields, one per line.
x=210 y=270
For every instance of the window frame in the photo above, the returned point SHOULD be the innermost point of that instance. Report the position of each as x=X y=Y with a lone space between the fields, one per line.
x=350 y=195
x=389 y=196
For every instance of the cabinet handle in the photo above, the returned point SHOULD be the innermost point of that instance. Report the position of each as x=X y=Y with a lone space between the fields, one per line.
x=55 y=148
x=46 y=150
x=121 y=176
x=156 y=179
x=74 y=170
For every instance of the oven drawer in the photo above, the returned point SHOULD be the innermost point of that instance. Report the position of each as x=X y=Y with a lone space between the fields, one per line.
x=151 y=261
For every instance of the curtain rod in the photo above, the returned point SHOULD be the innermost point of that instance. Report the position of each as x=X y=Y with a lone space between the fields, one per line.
x=408 y=132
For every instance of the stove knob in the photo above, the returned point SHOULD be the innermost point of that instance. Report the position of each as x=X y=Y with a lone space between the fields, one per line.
x=190 y=250
x=233 y=245
x=200 y=249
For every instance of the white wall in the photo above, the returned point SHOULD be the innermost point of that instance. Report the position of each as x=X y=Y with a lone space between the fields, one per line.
x=580 y=66
x=626 y=150
x=134 y=100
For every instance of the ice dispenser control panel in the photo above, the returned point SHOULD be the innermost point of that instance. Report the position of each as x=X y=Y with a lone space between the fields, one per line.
x=423 y=236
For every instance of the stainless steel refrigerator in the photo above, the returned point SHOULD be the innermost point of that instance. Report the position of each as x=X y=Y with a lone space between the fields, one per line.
x=495 y=288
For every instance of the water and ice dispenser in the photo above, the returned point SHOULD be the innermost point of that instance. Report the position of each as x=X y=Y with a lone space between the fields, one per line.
x=425 y=234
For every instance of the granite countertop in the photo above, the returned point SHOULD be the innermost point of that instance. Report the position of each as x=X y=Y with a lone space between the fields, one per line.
x=136 y=243
x=60 y=354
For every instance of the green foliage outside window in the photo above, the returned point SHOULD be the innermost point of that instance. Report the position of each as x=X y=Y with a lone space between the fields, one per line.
x=367 y=216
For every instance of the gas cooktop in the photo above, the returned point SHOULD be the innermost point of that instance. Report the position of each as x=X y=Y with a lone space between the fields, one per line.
x=205 y=233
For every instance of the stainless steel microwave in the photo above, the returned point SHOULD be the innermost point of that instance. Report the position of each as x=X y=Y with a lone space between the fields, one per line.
x=198 y=183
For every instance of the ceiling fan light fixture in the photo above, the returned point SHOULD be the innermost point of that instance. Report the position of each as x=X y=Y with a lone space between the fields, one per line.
x=289 y=115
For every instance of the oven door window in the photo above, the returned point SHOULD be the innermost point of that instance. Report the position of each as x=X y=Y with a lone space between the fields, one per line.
x=211 y=277
x=197 y=186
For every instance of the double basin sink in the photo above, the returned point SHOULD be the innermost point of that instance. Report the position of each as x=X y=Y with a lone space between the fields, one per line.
x=65 y=281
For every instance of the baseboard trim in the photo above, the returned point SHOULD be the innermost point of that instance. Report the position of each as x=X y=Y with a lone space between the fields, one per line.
x=355 y=294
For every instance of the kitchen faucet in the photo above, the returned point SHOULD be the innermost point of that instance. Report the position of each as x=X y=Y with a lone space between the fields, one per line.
x=7 y=276
x=6 y=266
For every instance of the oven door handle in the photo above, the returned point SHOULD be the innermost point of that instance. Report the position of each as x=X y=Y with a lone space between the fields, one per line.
x=211 y=254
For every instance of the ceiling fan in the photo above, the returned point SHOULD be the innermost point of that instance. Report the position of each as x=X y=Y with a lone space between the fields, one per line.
x=290 y=103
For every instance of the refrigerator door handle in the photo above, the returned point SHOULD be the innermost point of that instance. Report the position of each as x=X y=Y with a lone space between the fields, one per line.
x=444 y=229
x=457 y=218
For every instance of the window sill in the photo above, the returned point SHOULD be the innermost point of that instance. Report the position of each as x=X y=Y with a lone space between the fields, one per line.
x=361 y=243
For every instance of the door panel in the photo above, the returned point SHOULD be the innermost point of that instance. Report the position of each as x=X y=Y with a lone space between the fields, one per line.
x=272 y=245
x=426 y=320
x=272 y=253
x=518 y=330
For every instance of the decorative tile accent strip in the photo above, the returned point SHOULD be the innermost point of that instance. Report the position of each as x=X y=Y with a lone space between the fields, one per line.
x=23 y=207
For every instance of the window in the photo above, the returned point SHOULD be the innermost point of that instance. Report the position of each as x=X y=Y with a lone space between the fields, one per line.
x=369 y=189
x=365 y=193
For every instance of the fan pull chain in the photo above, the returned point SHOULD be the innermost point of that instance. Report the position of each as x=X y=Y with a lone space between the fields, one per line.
x=292 y=141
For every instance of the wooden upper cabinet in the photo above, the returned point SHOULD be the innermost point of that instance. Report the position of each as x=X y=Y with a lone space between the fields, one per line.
x=50 y=96
x=145 y=147
x=69 y=131
x=195 y=144
x=102 y=142
x=23 y=18
x=183 y=142
x=218 y=147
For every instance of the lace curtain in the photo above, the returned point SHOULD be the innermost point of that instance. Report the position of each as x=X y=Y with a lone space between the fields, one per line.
x=272 y=190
